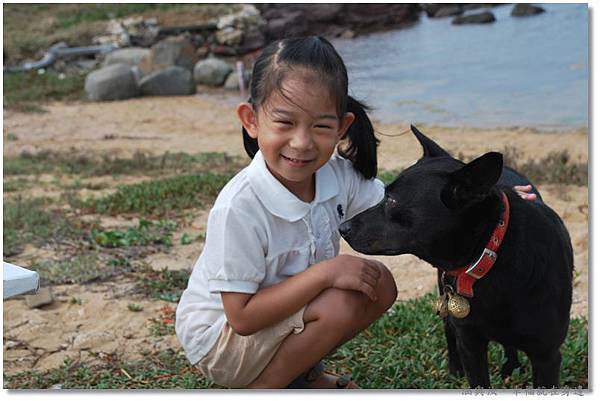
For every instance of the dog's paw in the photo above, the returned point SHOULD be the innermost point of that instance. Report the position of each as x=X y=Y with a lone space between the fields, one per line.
x=456 y=369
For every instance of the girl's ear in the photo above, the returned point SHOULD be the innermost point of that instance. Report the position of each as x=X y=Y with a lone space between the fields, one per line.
x=247 y=117
x=346 y=122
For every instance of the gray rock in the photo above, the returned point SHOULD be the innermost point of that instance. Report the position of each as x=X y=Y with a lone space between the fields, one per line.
x=131 y=56
x=41 y=298
x=448 y=11
x=176 y=50
x=172 y=81
x=233 y=83
x=211 y=71
x=480 y=18
x=525 y=10
x=113 y=82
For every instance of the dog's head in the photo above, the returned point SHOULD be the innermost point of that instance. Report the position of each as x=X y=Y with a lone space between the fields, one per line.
x=428 y=209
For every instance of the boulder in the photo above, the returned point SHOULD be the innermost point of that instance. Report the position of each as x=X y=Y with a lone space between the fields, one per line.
x=448 y=11
x=113 y=82
x=176 y=50
x=291 y=24
x=172 y=81
x=211 y=71
x=131 y=56
x=229 y=36
x=233 y=83
x=525 y=10
x=480 y=18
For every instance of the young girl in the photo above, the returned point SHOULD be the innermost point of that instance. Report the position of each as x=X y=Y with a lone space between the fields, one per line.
x=270 y=295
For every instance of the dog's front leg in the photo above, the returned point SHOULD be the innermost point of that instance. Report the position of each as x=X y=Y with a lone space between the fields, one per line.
x=472 y=348
x=454 y=362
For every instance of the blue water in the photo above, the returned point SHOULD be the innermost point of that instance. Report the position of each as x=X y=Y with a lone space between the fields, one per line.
x=530 y=71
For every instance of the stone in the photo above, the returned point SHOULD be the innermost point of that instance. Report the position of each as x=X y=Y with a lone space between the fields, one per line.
x=233 y=83
x=229 y=36
x=131 y=56
x=113 y=82
x=480 y=18
x=41 y=298
x=211 y=72
x=525 y=10
x=176 y=50
x=172 y=81
x=448 y=11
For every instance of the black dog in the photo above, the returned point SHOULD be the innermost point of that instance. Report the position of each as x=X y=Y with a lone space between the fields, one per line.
x=453 y=215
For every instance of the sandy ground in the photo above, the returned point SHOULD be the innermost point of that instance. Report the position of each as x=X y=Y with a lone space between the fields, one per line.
x=102 y=323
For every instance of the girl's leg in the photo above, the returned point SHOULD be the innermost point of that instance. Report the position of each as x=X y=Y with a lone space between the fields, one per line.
x=332 y=318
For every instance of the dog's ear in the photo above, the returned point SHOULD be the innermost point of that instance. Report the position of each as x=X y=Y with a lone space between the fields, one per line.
x=472 y=183
x=430 y=148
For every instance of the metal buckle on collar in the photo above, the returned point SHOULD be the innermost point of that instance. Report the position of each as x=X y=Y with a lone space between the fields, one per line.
x=486 y=251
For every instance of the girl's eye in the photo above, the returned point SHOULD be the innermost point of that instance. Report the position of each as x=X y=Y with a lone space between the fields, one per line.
x=284 y=122
x=324 y=126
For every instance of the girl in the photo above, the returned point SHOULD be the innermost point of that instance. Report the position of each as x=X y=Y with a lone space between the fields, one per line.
x=270 y=295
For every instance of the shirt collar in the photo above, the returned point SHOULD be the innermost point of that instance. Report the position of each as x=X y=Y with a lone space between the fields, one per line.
x=278 y=199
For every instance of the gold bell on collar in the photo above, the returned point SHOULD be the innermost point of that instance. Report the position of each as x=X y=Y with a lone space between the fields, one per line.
x=458 y=306
x=440 y=305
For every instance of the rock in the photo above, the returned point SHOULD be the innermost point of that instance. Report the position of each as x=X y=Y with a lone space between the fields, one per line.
x=131 y=56
x=233 y=83
x=113 y=82
x=172 y=81
x=525 y=10
x=229 y=36
x=211 y=71
x=448 y=11
x=41 y=298
x=253 y=39
x=480 y=18
x=291 y=24
x=348 y=34
x=92 y=340
x=177 y=50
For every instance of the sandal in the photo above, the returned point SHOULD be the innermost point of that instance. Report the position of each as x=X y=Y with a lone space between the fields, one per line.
x=305 y=380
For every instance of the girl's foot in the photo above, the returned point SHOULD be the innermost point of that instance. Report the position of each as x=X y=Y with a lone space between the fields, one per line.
x=317 y=378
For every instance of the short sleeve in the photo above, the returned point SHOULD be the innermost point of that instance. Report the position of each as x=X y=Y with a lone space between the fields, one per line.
x=362 y=193
x=234 y=252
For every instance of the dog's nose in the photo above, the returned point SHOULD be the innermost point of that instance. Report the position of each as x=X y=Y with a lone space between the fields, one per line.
x=345 y=229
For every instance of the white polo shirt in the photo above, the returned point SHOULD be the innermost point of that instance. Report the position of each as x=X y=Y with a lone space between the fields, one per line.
x=259 y=234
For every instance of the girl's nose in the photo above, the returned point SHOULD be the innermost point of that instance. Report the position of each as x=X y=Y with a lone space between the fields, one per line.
x=301 y=139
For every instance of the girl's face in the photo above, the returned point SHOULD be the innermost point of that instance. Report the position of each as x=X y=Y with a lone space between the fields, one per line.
x=299 y=135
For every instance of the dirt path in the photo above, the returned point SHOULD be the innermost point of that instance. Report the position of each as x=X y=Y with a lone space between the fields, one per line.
x=101 y=321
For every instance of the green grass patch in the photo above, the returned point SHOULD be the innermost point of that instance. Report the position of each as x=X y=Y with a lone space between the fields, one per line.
x=164 y=197
x=404 y=349
x=78 y=269
x=25 y=91
x=165 y=285
x=146 y=233
x=34 y=221
x=167 y=370
x=140 y=163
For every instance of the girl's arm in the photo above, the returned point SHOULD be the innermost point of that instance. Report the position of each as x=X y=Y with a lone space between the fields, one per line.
x=249 y=313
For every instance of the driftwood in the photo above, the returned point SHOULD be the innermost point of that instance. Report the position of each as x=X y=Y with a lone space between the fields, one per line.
x=61 y=50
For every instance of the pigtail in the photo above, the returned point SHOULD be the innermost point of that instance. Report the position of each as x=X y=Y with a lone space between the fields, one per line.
x=361 y=144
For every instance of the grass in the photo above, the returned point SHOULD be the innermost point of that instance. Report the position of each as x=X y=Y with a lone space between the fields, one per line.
x=161 y=198
x=79 y=269
x=86 y=165
x=26 y=91
x=404 y=349
x=164 y=285
x=146 y=233
x=34 y=221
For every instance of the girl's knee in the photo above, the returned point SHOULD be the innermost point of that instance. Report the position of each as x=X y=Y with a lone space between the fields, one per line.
x=386 y=289
x=338 y=308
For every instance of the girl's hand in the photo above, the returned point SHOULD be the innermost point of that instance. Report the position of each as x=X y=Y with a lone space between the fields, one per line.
x=524 y=192
x=353 y=273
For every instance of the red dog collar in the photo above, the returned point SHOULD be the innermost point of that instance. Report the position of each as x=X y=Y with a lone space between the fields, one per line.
x=467 y=275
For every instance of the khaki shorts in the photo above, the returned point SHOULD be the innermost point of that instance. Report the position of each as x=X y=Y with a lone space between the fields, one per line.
x=236 y=361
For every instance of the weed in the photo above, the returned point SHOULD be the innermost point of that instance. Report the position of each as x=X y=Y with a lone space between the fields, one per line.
x=146 y=233
x=33 y=220
x=81 y=268
x=164 y=197
x=166 y=285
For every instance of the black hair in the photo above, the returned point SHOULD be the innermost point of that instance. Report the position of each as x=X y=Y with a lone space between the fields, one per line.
x=318 y=55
